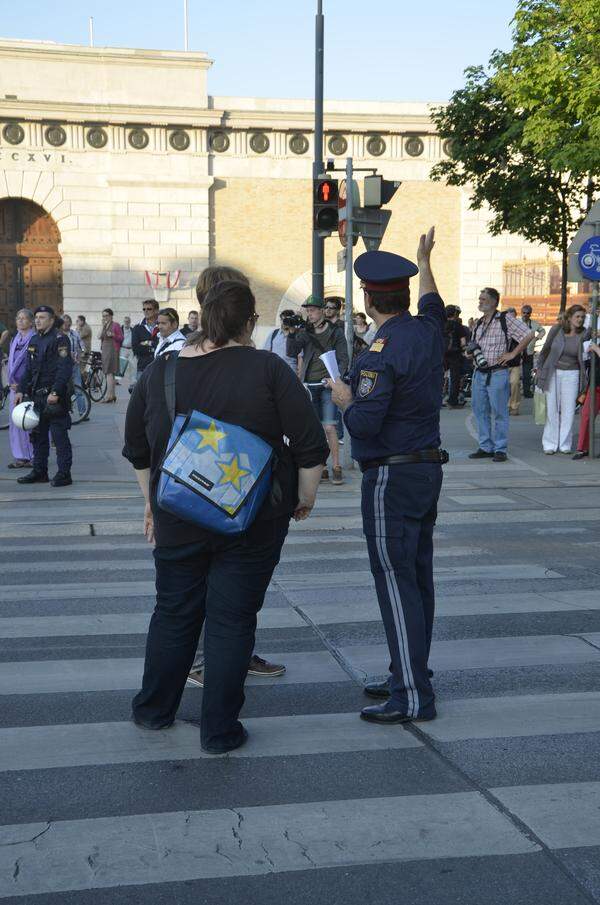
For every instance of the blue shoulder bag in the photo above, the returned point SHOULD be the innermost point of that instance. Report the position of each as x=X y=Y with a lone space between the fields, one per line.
x=214 y=474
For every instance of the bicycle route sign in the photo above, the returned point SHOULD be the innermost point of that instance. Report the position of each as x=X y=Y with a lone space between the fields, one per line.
x=589 y=258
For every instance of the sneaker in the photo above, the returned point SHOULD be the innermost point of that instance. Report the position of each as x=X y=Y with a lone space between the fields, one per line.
x=260 y=667
x=337 y=477
x=580 y=454
x=481 y=454
x=499 y=457
x=196 y=677
x=325 y=475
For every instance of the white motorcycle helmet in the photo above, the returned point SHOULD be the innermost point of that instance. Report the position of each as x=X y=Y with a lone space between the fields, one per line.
x=25 y=417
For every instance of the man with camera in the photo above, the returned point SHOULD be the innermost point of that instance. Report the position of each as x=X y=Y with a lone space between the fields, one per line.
x=312 y=341
x=277 y=339
x=456 y=340
x=495 y=342
x=47 y=381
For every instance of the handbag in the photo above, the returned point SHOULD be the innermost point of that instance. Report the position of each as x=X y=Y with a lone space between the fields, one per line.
x=540 y=407
x=214 y=474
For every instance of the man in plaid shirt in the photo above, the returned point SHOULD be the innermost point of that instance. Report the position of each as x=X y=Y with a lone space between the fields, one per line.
x=496 y=335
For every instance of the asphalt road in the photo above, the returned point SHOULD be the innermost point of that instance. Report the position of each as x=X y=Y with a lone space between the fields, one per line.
x=496 y=801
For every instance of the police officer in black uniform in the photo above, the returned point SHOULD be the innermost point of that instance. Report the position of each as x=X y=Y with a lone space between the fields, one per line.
x=392 y=412
x=47 y=381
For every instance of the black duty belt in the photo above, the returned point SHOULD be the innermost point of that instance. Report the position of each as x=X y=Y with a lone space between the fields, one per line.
x=429 y=456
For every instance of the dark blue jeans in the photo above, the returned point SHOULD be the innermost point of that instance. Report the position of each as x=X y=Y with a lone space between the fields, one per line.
x=221 y=581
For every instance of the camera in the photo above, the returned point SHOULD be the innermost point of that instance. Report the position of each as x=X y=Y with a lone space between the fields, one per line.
x=292 y=322
x=481 y=362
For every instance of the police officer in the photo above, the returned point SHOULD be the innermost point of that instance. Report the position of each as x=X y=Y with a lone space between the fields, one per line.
x=392 y=412
x=46 y=380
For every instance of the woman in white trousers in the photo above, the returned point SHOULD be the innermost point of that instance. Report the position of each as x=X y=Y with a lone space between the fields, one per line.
x=561 y=375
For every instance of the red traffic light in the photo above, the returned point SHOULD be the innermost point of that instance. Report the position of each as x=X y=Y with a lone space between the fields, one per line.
x=326 y=191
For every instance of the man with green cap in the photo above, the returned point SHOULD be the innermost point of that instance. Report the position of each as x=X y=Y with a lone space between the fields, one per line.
x=317 y=337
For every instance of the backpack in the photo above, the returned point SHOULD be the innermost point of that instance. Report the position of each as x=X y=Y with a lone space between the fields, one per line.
x=218 y=483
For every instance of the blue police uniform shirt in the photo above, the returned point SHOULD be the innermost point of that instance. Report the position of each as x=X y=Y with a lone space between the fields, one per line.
x=397 y=385
x=49 y=363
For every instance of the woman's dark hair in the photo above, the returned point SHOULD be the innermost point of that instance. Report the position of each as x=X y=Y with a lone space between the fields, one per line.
x=171 y=314
x=217 y=273
x=107 y=311
x=226 y=310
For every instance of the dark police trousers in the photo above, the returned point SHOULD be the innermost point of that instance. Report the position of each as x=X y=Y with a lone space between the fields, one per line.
x=59 y=429
x=221 y=581
x=399 y=508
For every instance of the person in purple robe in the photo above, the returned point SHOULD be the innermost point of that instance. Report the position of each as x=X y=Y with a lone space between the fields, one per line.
x=20 y=441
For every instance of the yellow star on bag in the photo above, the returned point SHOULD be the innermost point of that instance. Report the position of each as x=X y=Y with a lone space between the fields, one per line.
x=210 y=436
x=232 y=473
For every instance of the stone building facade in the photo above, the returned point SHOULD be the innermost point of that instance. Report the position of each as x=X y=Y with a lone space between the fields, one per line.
x=114 y=162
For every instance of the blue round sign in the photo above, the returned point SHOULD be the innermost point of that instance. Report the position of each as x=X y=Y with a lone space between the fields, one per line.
x=589 y=258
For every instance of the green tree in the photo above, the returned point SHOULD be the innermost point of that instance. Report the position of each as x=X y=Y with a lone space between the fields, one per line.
x=492 y=157
x=552 y=73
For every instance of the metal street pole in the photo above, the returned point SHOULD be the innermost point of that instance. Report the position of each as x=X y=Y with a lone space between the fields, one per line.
x=186 y=45
x=593 y=358
x=318 y=243
x=91 y=27
x=349 y=326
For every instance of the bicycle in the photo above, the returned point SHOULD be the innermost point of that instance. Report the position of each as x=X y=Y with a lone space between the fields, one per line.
x=93 y=378
x=4 y=408
x=76 y=416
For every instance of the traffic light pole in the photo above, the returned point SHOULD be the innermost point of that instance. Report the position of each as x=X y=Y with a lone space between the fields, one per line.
x=318 y=243
x=593 y=360
x=349 y=326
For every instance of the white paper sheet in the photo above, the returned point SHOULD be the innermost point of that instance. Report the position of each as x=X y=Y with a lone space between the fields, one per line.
x=330 y=362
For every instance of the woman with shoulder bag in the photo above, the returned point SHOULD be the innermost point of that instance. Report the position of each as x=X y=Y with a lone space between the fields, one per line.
x=561 y=375
x=203 y=575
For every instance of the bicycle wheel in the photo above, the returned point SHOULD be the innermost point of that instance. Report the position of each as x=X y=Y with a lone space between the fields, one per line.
x=97 y=385
x=4 y=409
x=76 y=416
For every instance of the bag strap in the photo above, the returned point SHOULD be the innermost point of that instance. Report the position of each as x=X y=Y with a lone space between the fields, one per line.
x=273 y=335
x=170 y=388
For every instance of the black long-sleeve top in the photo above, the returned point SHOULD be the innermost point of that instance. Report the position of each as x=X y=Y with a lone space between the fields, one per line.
x=250 y=387
x=310 y=344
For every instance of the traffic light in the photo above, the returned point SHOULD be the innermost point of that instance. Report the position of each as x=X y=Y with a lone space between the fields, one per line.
x=379 y=191
x=325 y=205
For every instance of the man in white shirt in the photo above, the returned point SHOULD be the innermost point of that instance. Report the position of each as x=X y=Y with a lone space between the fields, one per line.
x=539 y=331
x=277 y=339
x=170 y=336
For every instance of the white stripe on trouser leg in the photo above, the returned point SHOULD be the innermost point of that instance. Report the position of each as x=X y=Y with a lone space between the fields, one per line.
x=394 y=595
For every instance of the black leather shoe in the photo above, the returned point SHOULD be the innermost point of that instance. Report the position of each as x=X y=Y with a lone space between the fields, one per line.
x=481 y=454
x=34 y=477
x=500 y=457
x=241 y=740
x=378 y=713
x=382 y=689
x=61 y=480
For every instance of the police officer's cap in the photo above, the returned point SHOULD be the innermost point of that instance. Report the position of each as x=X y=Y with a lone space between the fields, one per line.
x=382 y=271
x=44 y=309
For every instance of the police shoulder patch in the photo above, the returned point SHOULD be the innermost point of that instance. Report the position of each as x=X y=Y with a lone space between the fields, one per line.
x=366 y=383
x=378 y=344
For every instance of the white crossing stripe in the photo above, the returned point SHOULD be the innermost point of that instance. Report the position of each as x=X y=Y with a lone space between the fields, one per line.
x=446 y=573
x=367 y=610
x=481 y=500
x=516 y=716
x=54 y=676
x=483 y=653
x=178 y=846
x=119 y=623
x=563 y=815
x=91 y=744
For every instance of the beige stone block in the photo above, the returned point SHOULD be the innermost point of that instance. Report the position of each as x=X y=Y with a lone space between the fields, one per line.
x=82 y=178
x=95 y=221
x=92 y=208
x=175 y=237
x=159 y=223
x=68 y=223
x=53 y=199
x=119 y=208
x=127 y=249
x=169 y=209
x=125 y=222
x=124 y=277
x=78 y=260
x=61 y=211
x=90 y=192
x=181 y=263
x=192 y=251
x=144 y=236
x=143 y=208
x=159 y=251
x=95 y=289
x=30 y=180
x=200 y=210
x=43 y=188
x=14 y=183
x=200 y=237
x=120 y=236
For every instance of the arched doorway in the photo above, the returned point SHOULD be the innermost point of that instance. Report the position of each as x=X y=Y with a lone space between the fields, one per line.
x=30 y=264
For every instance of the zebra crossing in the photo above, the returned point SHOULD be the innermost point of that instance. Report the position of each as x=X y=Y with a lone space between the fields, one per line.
x=500 y=793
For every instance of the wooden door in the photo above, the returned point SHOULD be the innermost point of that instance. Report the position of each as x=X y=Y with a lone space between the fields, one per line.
x=30 y=263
